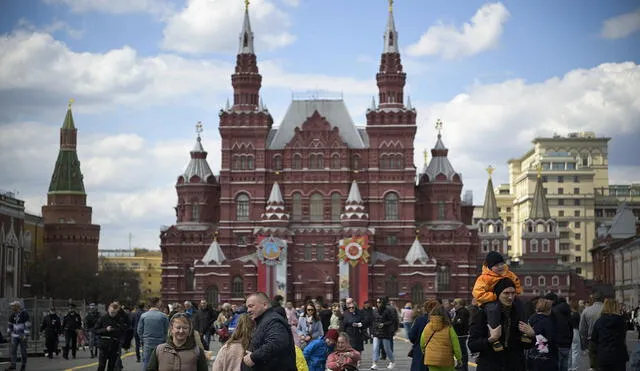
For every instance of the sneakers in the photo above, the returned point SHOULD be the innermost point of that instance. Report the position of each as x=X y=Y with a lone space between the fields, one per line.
x=373 y=366
x=391 y=365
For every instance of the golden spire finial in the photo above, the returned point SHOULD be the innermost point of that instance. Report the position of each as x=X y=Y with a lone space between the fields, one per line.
x=246 y=5
x=439 y=126
x=199 y=128
x=71 y=101
x=490 y=170
x=425 y=153
x=417 y=234
x=539 y=170
x=390 y=6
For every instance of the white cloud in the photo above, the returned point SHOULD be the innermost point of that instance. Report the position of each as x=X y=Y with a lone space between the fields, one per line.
x=621 y=26
x=55 y=26
x=157 y=7
x=214 y=25
x=481 y=33
x=129 y=180
x=488 y=124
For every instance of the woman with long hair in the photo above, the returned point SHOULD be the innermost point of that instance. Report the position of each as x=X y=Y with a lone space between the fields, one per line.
x=309 y=326
x=180 y=352
x=608 y=339
x=229 y=357
x=344 y=357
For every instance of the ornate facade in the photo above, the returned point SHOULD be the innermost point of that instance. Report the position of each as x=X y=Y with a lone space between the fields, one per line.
x=318 y=207
x=70 y=239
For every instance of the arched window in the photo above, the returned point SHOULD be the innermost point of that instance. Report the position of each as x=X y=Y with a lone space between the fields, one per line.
x=391 y=206
x=417 y=294
x=485 y=246
x=236 y=162
x=320 y=161
x=297 y=162
x=242 y=207
x=212 y=294
x=277 y=162
x=534 y=245
x=528 y=281
x=308 y=252
x=391 y=286
x=320 y=252
x=545 y=245
x=313 y=164
x=336 y=206
x=441 y=210
x=555 y=281
x=384 y=163
x=496 y=245
x=195 y=213
x=335 y=161
x=250 y=162
x=189 y=277
x=355 y=162
x=296 y=206
x=316 y=207
x=243 y=162
x=237 y=287
x=443 y=277
x=542 y=281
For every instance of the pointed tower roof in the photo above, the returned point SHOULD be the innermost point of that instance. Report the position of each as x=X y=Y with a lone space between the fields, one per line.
x=490 y=208
x=390 y=33
x=416 y=253
x=198 y=165
x=623 y=224
x=540 y=206
x=354 y=208
x=245 y=45
x=275 y=210
x=439 y=161
x=67 y=177
x=214 y=254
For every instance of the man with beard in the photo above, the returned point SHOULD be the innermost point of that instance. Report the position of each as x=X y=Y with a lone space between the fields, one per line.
x=481 y=336
x=109 y=329
x=51 y=326
x=71 y=323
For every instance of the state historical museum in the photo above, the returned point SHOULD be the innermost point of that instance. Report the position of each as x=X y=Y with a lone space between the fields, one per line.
x=318 y=207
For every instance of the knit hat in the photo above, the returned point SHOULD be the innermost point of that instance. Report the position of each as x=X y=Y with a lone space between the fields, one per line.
x=503 y=284
x=493 y=258
x=332 y=335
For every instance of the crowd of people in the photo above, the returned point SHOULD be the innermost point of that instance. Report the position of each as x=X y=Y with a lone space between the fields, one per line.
x=498 y=330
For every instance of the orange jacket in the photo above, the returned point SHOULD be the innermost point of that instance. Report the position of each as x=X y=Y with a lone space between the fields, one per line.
x=483 y=289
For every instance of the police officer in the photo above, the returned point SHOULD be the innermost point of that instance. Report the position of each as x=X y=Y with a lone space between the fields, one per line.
x=71 y=323
x=52 y=327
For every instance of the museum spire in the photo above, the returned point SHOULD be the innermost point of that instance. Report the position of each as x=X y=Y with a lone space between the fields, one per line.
x=67 y=177
x=390 y=78
x=246 y=80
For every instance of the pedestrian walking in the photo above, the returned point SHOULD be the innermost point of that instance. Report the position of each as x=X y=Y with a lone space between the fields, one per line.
x=419 y=323
x=71 y=323
x=18 y=330
x=309 y=326
x=353 y=325
x=588 y=319
x=406 y=317
x=89 y=324
x=609 y=338
x=576 y=349
x=203 y=321
x=439 y=342
x=544 y=355
x=460 y=323
x=180 y=352
x=384 y=320
x=134 y=327
x=109 y=329
x=51 y=327
x=230 y=355
x=152 y=330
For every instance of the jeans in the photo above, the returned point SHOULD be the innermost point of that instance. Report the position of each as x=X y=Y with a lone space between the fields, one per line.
x=15 y=343
x=576 y=352
x=563 y=358
x=407 y=327
x=386 y=344
x=465 y=352
x=147 y=350
x=206 y=339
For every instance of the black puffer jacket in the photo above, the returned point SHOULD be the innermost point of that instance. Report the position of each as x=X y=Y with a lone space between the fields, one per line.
x=561 y=320
x=384 y=321
x=272 y=347
x=609 y=337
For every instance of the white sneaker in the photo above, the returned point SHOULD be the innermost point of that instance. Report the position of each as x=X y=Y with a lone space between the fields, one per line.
x=373 y=366
x=391 y=365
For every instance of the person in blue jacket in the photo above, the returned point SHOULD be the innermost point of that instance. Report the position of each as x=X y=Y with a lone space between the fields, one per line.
x=317 y=351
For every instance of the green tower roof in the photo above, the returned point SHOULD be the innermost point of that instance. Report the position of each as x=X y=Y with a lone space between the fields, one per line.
x=67 y=177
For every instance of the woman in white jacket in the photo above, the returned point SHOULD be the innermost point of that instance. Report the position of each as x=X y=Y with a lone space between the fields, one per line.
x=229 y=357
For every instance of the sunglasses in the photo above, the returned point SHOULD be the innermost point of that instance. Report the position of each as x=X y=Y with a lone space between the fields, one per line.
x=180 y=315
x=311 y=309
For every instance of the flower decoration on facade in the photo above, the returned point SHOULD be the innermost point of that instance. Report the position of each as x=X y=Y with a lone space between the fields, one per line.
x=354 y=250
x=272 y=250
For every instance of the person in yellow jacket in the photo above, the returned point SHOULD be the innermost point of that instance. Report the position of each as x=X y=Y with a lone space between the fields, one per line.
x=301 y=363
x=439 y=343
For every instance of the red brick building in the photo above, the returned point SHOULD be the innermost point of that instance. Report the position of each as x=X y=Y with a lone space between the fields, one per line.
x=318 y=207
x=70 y=239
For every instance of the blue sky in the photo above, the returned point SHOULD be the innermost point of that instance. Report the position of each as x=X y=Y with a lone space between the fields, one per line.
x=143 y=72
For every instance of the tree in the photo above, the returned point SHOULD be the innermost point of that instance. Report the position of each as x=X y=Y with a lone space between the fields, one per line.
x=115 y=282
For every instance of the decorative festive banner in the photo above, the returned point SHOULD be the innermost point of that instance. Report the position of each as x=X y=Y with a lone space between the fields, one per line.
x=343 y=283
x=354 y=250
x=272 y=266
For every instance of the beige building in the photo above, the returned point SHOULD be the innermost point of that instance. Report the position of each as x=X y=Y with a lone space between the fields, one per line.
x=145 y=262
x=575 y=171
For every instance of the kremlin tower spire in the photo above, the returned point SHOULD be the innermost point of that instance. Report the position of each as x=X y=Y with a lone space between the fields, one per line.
x=246 y=80
x=490 y=208
x=390 y=78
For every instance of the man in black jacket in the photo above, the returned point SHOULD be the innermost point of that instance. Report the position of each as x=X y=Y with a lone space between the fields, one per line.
x=109 y=330
x=509 y=331
x=272 y=346
x=90 y=321
x=71 y=323
x=461 y=325
x=560 y=317
x=52 y=327
x=202 y=321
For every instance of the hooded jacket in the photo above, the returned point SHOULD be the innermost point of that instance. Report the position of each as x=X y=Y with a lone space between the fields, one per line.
x=440 y=344
x=169 y=357
x=483 y=288
x=340 y=358
x=316 y=354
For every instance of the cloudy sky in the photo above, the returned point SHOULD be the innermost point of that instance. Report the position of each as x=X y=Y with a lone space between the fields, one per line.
x=143 y=72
